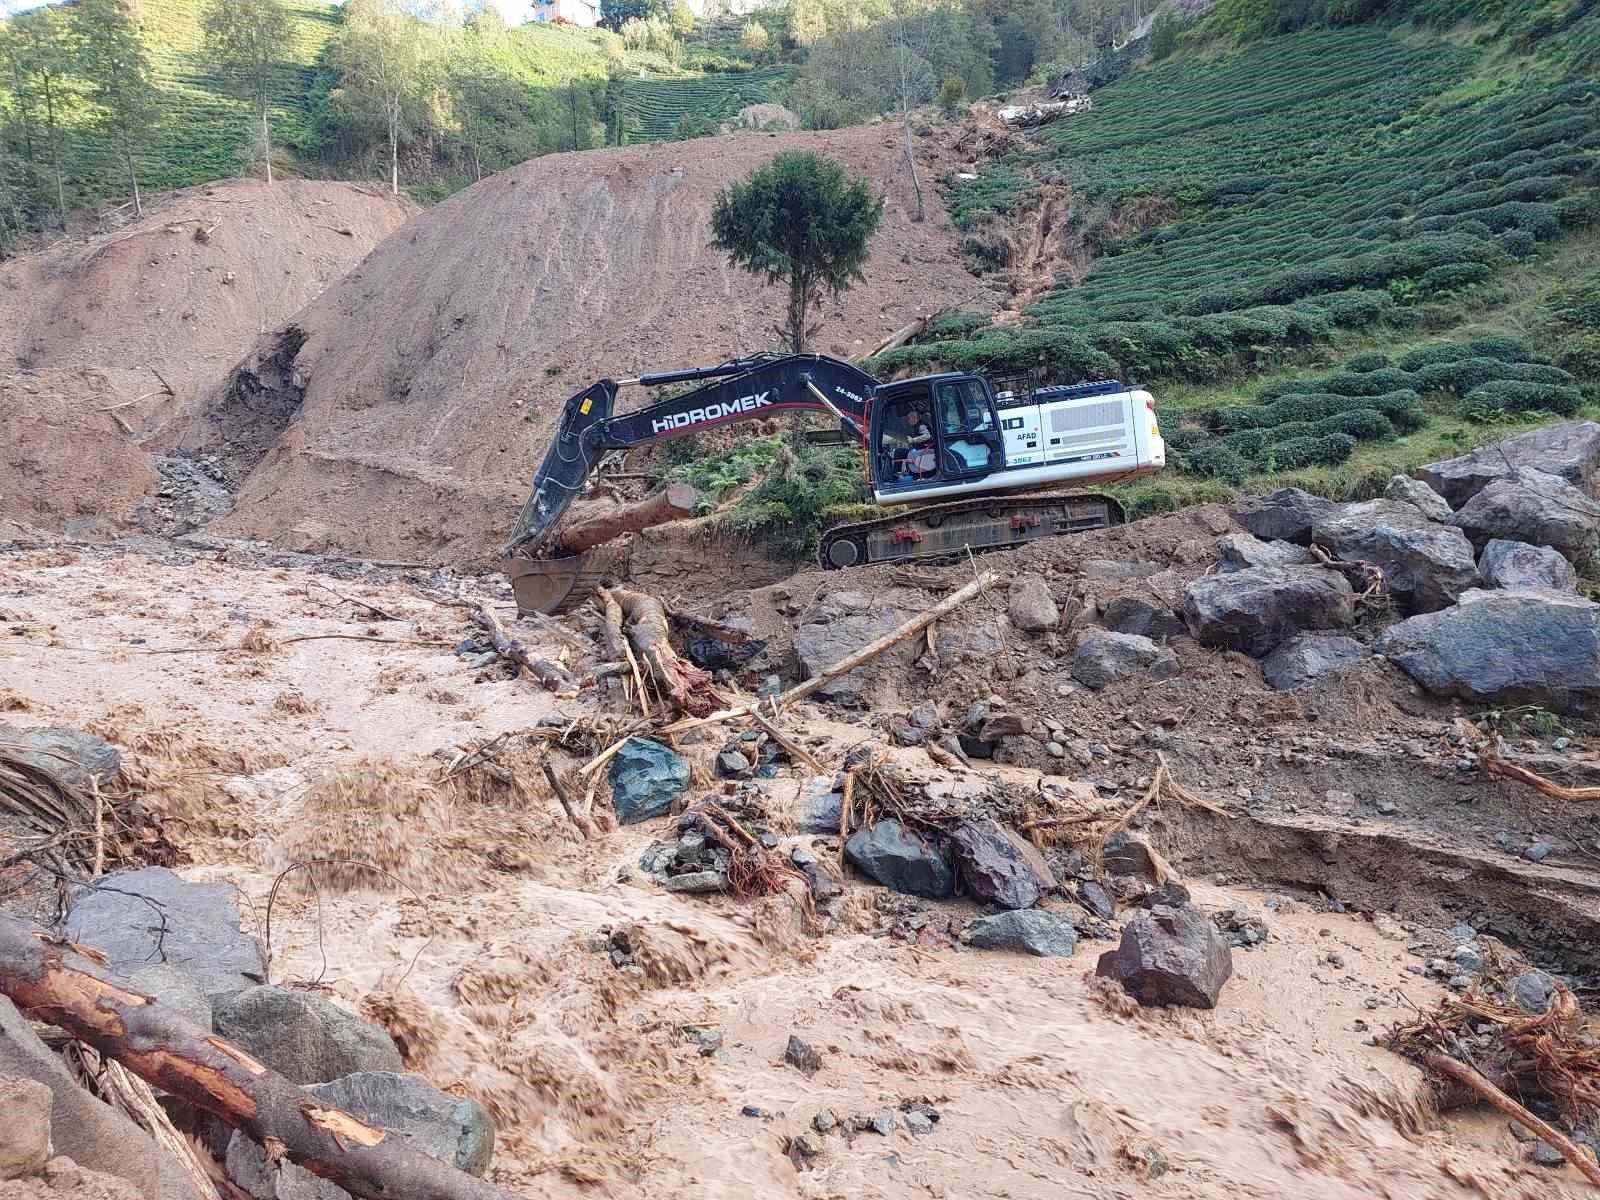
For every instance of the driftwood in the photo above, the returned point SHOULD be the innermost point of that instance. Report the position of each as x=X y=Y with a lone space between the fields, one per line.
x=672 y=503
x=552 y=676
x=55 y=983
x=851 y=661
x=685 y=685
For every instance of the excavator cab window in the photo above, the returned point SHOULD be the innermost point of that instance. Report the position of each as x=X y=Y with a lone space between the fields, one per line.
x=907 y=447
x=970 y=436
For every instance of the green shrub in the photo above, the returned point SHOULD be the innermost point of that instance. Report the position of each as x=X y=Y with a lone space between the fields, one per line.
x=1518 y=243
x=1501 y=346
x=1432 y=356
x=1247 y=443
x=1452 y=277
x=1219 y=462
x=1329 y=450
x=789 y=508
x=1362 y=363
x=1510 y=395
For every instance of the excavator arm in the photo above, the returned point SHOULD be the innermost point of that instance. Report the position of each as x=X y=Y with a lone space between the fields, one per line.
x=739 y=390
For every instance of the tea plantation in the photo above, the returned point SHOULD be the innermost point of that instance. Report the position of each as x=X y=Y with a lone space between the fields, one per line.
x=1327 y=181
x=657 y=105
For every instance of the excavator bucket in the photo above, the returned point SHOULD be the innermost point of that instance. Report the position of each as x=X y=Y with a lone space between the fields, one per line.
x=549 y=585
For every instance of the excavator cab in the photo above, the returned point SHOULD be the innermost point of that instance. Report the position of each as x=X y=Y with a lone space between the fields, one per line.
x=956 y=411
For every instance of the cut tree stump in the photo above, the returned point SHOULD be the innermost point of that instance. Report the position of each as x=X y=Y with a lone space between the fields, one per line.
x=57 y=983
x=685 y=685
x=672 y=503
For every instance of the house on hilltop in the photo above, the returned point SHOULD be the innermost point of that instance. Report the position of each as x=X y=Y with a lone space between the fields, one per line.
x=574 y=12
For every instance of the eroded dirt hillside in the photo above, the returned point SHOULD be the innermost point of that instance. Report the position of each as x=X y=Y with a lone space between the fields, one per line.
x=109 y=341
x=429 y=379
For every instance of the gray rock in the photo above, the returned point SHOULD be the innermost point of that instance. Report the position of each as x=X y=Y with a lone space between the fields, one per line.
x=1534 y=992
x=1128 y=854
x=840 y=624
x=1570 y=450
x=697 y=882
x=1546 y=1155
x=1521 y=646
x=820 y=807
x=824 y=887
x=732 y=764
x=918 y=1124
x=882 y=1123
x=1256 y=610
x=802 y=1056
x=901 y=860
x=1461 y=932
x=1103 y=657
x=646 y=779
x=1029 y=930
x=155 y=917
x=25 y=1147
x=69 y=754
x=174 y=989
x=1426 y=565
x=1511 y=564
x=1241 y=551
x=452 y=1130
x=1097 y=900
x=1310 y=656
x=1136 y=615
x=1031 y=606
x=302 y=1036
x=1286 y=515
x=824 y=1121
x=1531 y=506
x=998 y=867
x=1170 y=956
x=1469 y=958
x=1538 y=852
x=1405 y=490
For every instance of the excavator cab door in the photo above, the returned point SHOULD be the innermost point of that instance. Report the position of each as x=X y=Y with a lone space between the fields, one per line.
x=929 y=433
x=970 y=441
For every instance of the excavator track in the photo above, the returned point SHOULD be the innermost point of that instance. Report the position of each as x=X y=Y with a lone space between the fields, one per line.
x=942 y=532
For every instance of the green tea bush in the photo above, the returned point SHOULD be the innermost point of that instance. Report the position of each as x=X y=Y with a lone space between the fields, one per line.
x=1431 y=356
x=1328 y=450
x=1509 y=395
x=1219 y=462
x=1452 y=277
x=1362 y=363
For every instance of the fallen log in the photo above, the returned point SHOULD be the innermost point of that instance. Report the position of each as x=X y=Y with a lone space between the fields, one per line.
x=553 y=677
x=904 y=334
x=54 y=983
x=685 y=685
x=671 y=503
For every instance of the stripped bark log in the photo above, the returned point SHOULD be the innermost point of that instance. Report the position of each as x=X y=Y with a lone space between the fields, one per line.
x=553 y=677
x=685 y=685
x=904 y=334
x=617 y=647
x=50 y=982
x=706 y=627
x=672 y=503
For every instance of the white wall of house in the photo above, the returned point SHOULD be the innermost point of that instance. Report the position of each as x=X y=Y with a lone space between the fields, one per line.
x=578 y=12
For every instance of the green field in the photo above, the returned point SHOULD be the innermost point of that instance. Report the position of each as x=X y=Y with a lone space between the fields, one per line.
x=655 y=105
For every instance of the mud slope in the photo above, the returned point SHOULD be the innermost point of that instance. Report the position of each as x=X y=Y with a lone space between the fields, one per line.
x=433 y=373
x=106 y=342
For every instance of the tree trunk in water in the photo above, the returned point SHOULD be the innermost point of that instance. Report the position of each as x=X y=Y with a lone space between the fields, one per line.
x=553 y=676
x=672 y=503
x=266 y=142
x=51 y=981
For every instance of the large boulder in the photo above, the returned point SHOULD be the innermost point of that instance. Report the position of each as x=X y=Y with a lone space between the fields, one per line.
x=25 y=1143
x=303 y=1037
x=1286 y=515
x=71 y=755
x=1310 y=656
x=1426 y=565
x=1241 y=551
x=646 y=780
x=1522 y=646
x=452 y=1130
x=1136 y=615
x=1570 y=450
x=1029 y=931
x=1405 y=490
x=1507 y=564
x=1257 y=609
x=840 y=624
x=1537 y=508
x=140 y=918
x=1104 y=657
x=1031 y=606
x=901 y=860
x=1170 y=956
x=997 y=867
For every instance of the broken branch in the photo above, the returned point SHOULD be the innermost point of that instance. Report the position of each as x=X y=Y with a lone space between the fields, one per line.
x=1498 y=766
x=553 y=677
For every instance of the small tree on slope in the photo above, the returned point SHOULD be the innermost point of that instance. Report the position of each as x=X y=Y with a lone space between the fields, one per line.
x=244 y=38
x=798 y=220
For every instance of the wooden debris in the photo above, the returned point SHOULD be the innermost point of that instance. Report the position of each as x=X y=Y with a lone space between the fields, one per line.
x=555 y=678
x=683 y=684
x=558 y=788
x=52 y=984
x=1495 y=765
x=672 y=503
x=1027 y=116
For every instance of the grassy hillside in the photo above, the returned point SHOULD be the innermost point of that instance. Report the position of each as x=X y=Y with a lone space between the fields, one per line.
x=655 y=106
x=1332 y=192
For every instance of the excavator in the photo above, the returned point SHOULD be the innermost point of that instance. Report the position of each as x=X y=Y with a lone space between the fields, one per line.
x=951 y=445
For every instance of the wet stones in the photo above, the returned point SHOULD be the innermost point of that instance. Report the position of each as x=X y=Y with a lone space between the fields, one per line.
x=1241 y=925
x=1405 y=490
x=1308 y=657
x=646 y=780
x=1170 y=956
x=1256 y=610
x=1427 y=566
x=1104 y=657
x=1136 y=615
x=69 y=754
x=1027 y=931
x=1534 y=992
x=802 y=1056
x=902 y=861
x=1513 y=564
x=1031 y=606
x=820 y=807
x=302 y=1036
x=1520 y=646
x=997 y=867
